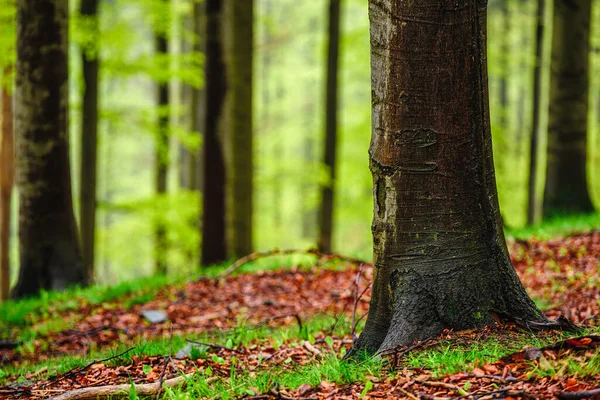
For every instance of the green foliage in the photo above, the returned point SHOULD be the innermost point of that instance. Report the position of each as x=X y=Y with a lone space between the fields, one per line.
x=560 y=225
x=7 y=41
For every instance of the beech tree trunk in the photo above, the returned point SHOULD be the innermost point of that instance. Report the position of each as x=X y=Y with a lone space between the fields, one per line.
x=566 y=175
x=214 y=249
x=89 y=142
x=439 y=251
x=331 y=104
x=240 y=23
x=48 y=237
x=161 y=161
x=534 y=213
x=7 y=173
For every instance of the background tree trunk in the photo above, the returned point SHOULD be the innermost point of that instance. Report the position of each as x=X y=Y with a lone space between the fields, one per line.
x=439 y=251
x=331 y=104
x=48 y=238
x=240 y=124
x=6 y=184
x=161 y=162
x=214 y=249
x=533 y=203
x=198 y=103
x=566 y=175
x=89 y=141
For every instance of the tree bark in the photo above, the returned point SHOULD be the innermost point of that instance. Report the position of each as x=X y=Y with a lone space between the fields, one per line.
x=331 y=104
x=566 y=175
x=439 y=252
x=240 y=23
x=214 y=249
x=48 y=239
x=161 y=161
x=89 y=141
x=533 y=203
x=7 y=173
x=198 y=103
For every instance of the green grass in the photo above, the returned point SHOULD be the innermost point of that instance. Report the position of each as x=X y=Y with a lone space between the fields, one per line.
x=560 y=225
x=449 y=357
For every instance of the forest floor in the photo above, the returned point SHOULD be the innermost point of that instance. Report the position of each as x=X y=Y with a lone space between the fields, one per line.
x=281 y=334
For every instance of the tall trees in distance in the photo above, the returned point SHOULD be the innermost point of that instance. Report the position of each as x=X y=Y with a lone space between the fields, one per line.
x=213 y=248
x=240 y=23
x=331 y=126
x=161 y=155
x=6 y=181
x=533 y=203
x=89 y=136
x=566 y=182
x=50 y=257
x=439 y=248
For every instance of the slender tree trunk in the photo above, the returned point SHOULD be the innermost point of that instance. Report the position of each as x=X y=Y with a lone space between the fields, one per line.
x=240 y=124
x=6 y=184
x=89 y=142
x=198 y=103
x=566 y=175
x=161 y=160
x=214 y=248
x=439 y=251
x=533 y=203
x=331 y=104
x=48 y=238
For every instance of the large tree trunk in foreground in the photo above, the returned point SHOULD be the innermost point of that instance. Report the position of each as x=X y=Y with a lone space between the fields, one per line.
x=6 y=184
x=566 y=181
x=89 y=142
x=240 y=24
x=534 y=213
x=48 y=239
x=439 y=252
x=214 y=248
x=331 y=104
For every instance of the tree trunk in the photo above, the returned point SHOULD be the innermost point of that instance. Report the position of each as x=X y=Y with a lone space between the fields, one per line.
x=566 y=181
x=331 y=104
x=48 y=238
x=6 y=184
x=439 y=251
x=89 y=142
x=533 y=202
x=161 y=162
x=240 y=124
x=214 y=248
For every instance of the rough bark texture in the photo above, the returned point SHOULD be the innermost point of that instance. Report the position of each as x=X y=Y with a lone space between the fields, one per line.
x=89 y=142
x=48 y=238
x=161 y=162
x=439 y=251
x=534 y=213
x=240 y=23
x=566 y=181
x=331 y=104
x=214 y=248
x=7 y=173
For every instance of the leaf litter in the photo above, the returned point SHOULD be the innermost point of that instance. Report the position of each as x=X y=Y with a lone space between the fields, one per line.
x=564 y=274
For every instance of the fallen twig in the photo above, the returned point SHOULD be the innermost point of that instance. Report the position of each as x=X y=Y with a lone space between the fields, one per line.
x=394 y=350
x=578 y=395
x=282 y=396
x=276 y=252
x=408 y=394
x=76 y=371
x=308 y=346
x=145 y=389
x=71 y=333
x=357 y=298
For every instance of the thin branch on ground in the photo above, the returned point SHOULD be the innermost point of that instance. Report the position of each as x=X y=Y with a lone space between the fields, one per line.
x=394 y=350
x=77 y=371
x=72 y=333
x=323 y=258
x=579 y=395
x=114 y=391
x=357 y=298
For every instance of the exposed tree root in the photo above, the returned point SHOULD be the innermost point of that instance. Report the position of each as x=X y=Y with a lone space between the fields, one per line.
x=585 y=394
x=146 y=389
x=561 y=323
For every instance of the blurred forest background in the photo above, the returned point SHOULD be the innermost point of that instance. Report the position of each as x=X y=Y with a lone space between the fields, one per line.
x=290 y=63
